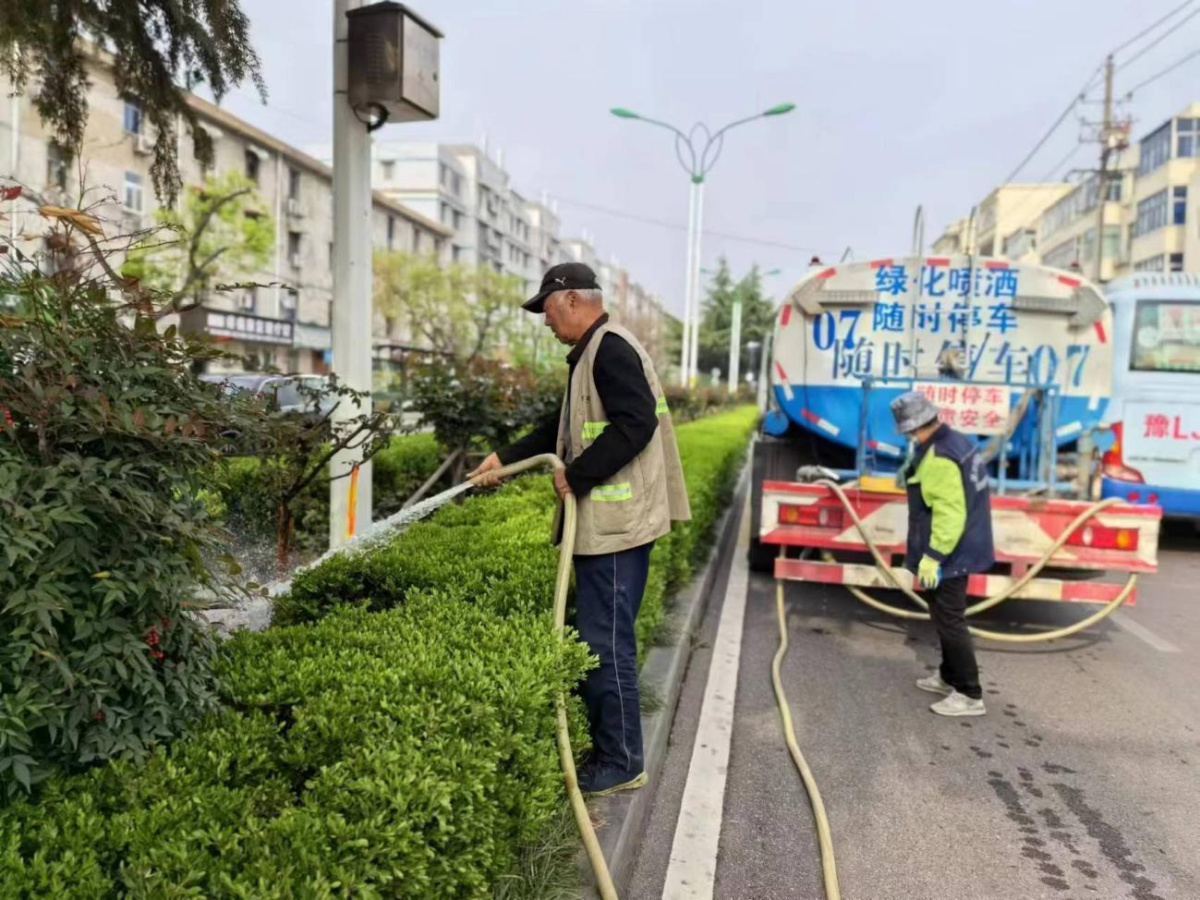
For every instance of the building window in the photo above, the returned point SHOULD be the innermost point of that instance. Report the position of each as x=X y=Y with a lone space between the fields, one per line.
x=1187 y=131
x=248 y=300
x=133 y=118
x=391 y=232
x=416 y=243
x=1176 y=262
x=331 y=254
x=289 y=301
x=293 y=184
x=1151 y=214
x=1061 y=256
x=1152 y=264
x=58 y=160
x=133 y=191
x=252 y=165
x=456 y=253
x=1156 y=150
x=294 y=247
x=388 y=169
x=1179 y=206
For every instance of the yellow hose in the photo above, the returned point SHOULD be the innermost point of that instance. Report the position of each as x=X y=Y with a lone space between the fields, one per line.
x=824 y=835
x=1007 y=593
x=562 y=583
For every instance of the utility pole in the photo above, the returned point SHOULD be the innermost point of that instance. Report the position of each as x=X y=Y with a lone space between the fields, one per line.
x=391 y=74
x=1106 y=148
x=351 y=312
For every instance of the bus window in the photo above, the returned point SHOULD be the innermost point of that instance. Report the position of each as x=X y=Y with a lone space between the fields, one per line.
x=1166 y=336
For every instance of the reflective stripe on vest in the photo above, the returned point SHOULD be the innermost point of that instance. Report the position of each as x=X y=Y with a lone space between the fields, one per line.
x=606 y=493
x=660 y=408
x=592 y=430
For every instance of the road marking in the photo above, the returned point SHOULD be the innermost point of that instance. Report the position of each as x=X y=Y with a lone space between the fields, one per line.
x=692 y=871
x=1141 y=632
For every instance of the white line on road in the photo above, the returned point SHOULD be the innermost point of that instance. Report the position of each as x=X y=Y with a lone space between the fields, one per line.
x=692 y=871
x=1145 y=634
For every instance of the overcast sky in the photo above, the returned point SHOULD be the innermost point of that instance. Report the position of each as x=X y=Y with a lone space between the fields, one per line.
x=927 y=102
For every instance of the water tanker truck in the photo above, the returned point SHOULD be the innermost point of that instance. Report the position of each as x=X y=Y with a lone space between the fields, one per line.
x=1018 y=356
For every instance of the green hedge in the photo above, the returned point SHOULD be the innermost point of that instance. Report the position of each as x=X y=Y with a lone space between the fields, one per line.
x=398 y=743
x=241 y=496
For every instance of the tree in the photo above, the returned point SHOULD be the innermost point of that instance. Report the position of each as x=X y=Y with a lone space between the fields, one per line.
x=107 y=442
x=157 y=48
x=461 y=312
x=221 y=233
x=758 y=317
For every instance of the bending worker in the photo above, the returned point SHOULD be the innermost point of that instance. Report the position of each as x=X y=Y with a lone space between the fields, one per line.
x=614 y=433
x=949 y=537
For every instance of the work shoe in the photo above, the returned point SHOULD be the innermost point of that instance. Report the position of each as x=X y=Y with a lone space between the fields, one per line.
x=935 y=684
x=601 y=780
x=957 y=704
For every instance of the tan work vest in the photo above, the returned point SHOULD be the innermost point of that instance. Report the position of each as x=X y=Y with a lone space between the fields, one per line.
x=638 y=504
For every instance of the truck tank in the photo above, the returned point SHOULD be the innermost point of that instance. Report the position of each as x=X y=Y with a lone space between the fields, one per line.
x=986 y=339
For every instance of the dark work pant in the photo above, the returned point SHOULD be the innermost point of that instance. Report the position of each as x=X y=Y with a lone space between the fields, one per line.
x=608 y=594
x=947 y=608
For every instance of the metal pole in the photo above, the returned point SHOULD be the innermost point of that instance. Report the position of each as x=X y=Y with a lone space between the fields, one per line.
x=696 y=282
x=735 y=345
x=1102 y=176
x=15 y=133
x=685 y=351
x=351 y=311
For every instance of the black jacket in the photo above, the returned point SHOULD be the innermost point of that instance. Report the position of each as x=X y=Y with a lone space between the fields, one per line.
x=628 y=401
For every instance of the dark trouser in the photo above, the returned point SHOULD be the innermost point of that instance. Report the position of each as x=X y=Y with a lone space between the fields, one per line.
x=947 y=609
x=608 y=594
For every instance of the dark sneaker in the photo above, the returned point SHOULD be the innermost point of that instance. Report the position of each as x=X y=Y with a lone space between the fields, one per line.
x=600 y=781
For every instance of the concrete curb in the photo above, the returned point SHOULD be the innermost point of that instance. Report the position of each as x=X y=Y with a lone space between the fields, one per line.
x=621 y=818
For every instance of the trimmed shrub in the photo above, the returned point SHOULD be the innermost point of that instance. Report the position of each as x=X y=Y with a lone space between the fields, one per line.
x=405 y=754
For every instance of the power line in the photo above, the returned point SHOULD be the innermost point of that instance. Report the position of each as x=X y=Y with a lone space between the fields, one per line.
x=1141 y=34
x=1087 y=86
x=1053 y=128
x=675 y=226
x=1167 y=71
x=1158 y=40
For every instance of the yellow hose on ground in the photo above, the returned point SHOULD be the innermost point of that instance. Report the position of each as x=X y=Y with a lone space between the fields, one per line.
x=562 y=583
x=824 y=835
x=1007 y=593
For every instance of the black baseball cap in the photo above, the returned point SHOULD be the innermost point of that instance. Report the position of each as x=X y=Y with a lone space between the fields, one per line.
x=571 y=276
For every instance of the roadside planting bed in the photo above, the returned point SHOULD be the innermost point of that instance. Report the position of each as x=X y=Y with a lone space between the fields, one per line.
x=392 y=736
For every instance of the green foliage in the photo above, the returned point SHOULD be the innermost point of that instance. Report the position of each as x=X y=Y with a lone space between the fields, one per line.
x=105 y=441
x=396 y=740
x=155 y=45
x=459 y=311
x=221 y=233
x=482 y=402
x=758 y=318
x=245 y=491
x=407 y=754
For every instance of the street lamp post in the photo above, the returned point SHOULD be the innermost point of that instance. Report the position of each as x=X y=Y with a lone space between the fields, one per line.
x=735 y=338
x=697 y=163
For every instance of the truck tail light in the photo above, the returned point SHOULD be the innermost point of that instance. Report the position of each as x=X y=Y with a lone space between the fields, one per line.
x=812 y=515
x=1101 y=537
x=1113 y=463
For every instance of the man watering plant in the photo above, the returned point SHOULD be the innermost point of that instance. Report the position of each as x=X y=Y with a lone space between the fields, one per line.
x=949 y=537
x=615 y=435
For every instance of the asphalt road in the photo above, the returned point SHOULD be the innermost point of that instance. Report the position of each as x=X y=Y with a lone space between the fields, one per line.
x=1083 y=781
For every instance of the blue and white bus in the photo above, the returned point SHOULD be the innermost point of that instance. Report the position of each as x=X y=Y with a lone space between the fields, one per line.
x=1154 y=455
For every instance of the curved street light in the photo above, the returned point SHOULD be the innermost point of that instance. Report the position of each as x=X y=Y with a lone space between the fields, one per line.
x=697 y=152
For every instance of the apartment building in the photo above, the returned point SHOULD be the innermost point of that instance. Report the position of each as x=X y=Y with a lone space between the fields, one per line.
x=494 y=224
x=1150 y=214
x=286 y=325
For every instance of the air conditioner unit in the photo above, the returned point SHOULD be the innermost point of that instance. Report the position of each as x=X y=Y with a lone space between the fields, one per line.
x=143 y=144
x=293 y=207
